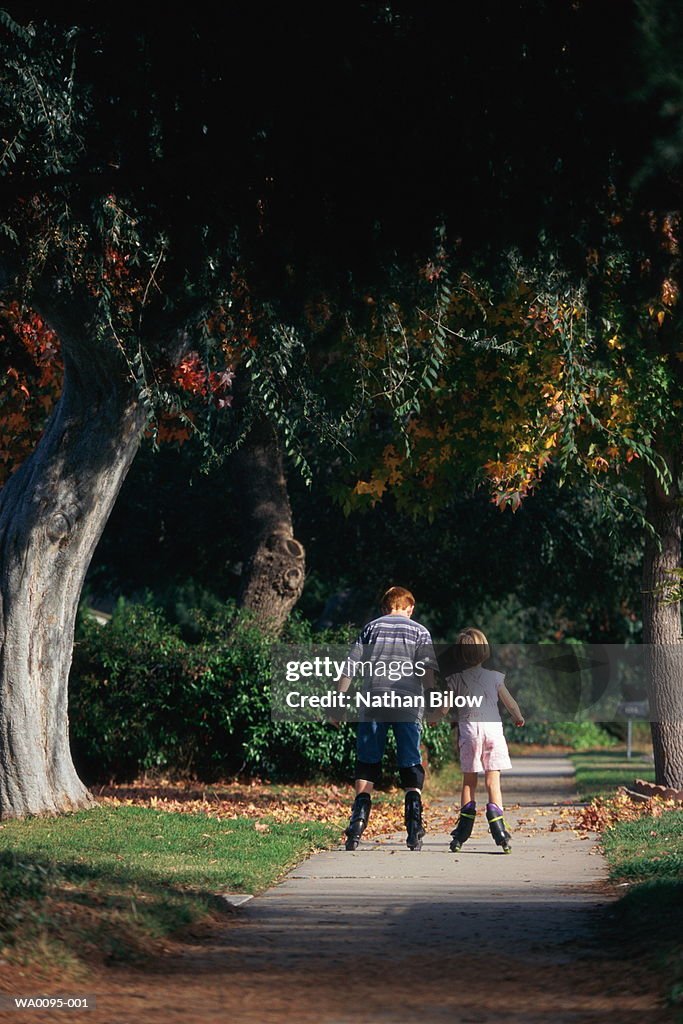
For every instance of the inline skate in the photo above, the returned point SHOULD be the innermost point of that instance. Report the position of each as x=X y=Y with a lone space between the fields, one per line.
x=463 y=828
x=497 y=827
x=413 y=820
x=360 y=815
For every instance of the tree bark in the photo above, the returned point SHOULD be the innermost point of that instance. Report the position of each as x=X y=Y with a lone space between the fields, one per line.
x=274 y=566
x=52 y=513
x=662 y=627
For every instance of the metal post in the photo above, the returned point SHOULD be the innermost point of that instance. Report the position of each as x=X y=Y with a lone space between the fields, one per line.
x=629 y=738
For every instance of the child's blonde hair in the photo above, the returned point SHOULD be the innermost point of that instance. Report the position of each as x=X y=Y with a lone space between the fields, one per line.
x=397 y=599
x=472 y=647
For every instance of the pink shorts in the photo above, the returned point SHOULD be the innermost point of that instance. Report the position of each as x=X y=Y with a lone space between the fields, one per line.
x=483 y=747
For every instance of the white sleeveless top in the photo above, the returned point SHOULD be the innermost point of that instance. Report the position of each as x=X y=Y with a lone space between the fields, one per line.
x=478 y=682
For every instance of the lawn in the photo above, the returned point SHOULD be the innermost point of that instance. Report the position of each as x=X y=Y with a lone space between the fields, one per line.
x=600 y=772
x=649 y=849
x=646 y=858
x=106 y=883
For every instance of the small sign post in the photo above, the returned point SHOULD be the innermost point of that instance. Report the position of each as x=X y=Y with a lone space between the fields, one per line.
x=632 y=709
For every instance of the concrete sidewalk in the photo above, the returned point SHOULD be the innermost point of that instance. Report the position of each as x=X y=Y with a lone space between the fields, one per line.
x=443 y=900
x=431 y=936
x=388 y=936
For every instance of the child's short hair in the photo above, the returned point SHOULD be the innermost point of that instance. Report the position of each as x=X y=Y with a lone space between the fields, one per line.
x=472 y=647
x=396 y=599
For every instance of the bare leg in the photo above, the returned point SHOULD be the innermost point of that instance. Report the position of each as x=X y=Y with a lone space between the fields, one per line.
x=469 y=787
x=363 y=786
x=493 y=788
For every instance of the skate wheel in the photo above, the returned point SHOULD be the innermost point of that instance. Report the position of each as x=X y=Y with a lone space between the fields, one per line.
x=351 y=844
x=507 y=849
x=417 y=846
x=455 y=847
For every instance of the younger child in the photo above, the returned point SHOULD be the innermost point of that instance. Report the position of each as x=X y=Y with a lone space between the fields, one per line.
x=481 y=739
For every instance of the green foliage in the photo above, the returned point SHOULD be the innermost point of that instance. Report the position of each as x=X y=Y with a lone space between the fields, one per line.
x=577 y=735
x=37 y=100
x=143 y=698
x=548 y=572
x=581 y=735
x=439 y=743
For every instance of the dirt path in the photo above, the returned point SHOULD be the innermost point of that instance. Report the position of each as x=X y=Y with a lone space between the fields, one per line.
x=386 y=935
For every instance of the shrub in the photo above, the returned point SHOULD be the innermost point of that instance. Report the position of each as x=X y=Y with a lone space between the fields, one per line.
x=578 y=735
x=144 y=698
x=439 y=743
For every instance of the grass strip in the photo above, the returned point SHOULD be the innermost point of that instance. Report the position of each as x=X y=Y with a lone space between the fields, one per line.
x=106 y=883
x=600 y=772
x=647 y=855
x=649 y=849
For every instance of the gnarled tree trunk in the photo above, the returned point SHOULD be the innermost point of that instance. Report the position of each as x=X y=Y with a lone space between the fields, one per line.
x=52 y=513
x=273 y=574
x=662 y=628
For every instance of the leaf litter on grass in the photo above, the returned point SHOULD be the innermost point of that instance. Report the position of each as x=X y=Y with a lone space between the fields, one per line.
x=605 y=812
x=256 y=800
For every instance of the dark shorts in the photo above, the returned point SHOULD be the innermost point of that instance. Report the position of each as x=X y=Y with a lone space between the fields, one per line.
x=372 y=737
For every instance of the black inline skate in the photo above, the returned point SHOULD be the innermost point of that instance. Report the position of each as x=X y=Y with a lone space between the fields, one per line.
x=463 y=827
x=497 y=827
x=413 y=820
x=360 y=815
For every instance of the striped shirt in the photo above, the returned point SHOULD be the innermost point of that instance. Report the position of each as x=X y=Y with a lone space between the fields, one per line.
x=387 y=652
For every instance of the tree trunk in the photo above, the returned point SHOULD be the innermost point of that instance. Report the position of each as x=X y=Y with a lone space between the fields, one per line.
x=52 y=513
x=273 y=574
x=662 y=628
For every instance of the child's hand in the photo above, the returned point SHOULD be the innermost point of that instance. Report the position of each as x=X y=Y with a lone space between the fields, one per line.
x=519 y=723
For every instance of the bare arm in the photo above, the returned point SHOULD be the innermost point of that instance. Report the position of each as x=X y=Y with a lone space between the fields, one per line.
x=448 y=686
x=343 y=684
x=430 y=684
x=429 y=678
x=511 y=704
